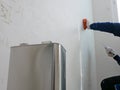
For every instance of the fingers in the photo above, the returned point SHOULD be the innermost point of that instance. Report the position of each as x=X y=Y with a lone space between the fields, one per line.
x=110 y=52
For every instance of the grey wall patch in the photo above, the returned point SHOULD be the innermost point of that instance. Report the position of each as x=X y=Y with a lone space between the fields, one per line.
x=5 y=12
x=9 y=9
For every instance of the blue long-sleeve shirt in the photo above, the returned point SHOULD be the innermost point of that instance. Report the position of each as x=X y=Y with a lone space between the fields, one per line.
x=117 y=58
x=106 y=27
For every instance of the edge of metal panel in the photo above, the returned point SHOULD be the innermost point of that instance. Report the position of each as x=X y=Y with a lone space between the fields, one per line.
x=57 y=52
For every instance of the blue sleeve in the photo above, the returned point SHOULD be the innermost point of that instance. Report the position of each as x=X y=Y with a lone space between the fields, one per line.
x=117 y=58
x=107 y=27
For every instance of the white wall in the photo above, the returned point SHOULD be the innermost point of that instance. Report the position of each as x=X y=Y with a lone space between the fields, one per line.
x=105 y=11
x=33 y=21
x=118 y=7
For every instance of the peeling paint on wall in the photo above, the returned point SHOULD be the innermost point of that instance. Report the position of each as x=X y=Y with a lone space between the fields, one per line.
x=9 y=9
x=5 y=12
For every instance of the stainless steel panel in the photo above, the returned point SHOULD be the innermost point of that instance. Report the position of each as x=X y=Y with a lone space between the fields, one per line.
x=37 y=67
x=60 y=73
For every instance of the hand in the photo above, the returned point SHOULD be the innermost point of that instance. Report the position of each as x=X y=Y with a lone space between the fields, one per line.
x=110 y=52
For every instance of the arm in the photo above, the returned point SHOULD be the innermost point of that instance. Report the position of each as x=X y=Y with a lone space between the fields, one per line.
x=106 y=27
x=117 y=58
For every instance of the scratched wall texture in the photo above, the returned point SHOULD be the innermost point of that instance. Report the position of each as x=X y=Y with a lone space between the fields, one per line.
x=9 y=9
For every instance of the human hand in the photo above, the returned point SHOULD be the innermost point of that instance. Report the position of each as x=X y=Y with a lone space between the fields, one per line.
x=110 y=52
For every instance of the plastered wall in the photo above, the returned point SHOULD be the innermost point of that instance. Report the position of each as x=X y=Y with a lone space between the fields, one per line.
x=33 y=21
